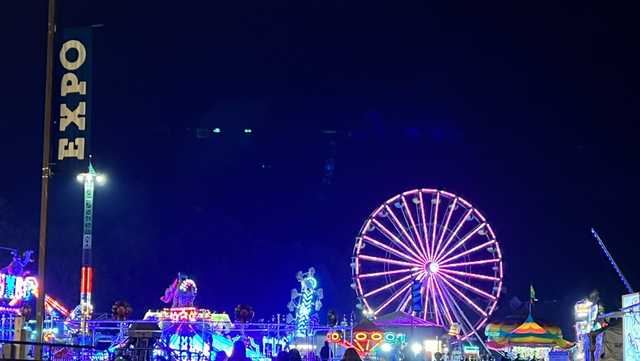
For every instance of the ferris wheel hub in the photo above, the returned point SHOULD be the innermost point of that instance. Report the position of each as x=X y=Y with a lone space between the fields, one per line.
x=432 y=267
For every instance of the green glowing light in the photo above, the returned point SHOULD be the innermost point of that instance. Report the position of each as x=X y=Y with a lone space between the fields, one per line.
x=248 y=130
x=217 y=130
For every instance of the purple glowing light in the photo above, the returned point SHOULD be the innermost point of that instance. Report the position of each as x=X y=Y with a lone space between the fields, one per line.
x=471 y=275
x=447 y=219
x=414 y=227
x=399 y=225
x=395 y=239
x=385 y=260
x=453 y=234
x=424 y=225
x=444 y=304
x=389 y=285
x=386 y=273
x=468 y=286
x=462 y=241
x=391 y=250
x=469 y=251
x=470 y=263
x=465 y=298
x=392 y=298
x=435 y=222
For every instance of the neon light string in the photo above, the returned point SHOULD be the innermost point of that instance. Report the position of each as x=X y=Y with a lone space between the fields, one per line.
x=425 y=229
x=385 y=260
x=444 y=304
x=389 y=285
x=414 y=227
x=469 y=251
x=435 y=221
x=404 y=303
x=394 y=238
x=471 y=275
x=470 y=263
x=435 y=302
x=395 y=252
x=453 y=234
x=463 y=240
x=450 y=210
x=387 y=273
x=468 y=286
x=399 y=225
x=463 y=297
x=392 y=298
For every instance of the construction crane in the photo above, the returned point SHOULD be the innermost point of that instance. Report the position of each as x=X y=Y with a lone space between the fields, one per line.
x=613 y=263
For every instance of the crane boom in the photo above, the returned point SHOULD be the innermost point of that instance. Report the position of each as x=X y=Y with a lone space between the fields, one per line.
x=613 y=263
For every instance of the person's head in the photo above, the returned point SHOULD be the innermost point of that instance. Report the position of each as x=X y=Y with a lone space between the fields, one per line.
x=221 y=356
x=326 y=343
x=294 y=355
x=351 y=354
x=282 y=356
x=239 y=351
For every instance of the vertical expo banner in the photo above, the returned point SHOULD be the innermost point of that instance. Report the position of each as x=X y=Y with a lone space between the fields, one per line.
x=73 y=94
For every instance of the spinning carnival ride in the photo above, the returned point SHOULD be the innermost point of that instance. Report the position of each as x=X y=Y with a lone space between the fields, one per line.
x=305 y=303
x=438 y=242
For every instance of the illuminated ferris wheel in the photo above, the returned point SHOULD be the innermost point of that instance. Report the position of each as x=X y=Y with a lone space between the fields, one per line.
x=435 y=242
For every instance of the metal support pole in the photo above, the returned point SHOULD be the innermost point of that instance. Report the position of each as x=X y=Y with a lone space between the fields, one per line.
x=46 y=173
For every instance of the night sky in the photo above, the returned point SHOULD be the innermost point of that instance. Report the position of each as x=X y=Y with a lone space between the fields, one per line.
x=529 y=112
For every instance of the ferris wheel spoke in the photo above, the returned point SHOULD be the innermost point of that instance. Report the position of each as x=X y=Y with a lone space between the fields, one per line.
x=414 y=227
x=462 y=241
x=385 y=260
x=453 y=234
x=387 y=273
x=447 y=219
x=394 y=238
x=393 y=297
x=442 y=301
x=473 y=305
x=426 y=301
x=471 y=275
x=434 y=225
x=468 y=286
x=470 y=263
x=469 y=251
x=395 y=252
x=396 y=222
x=461 y=319
x=404 y=303
x=434 y=302
x=391 y=284
x=425 y=228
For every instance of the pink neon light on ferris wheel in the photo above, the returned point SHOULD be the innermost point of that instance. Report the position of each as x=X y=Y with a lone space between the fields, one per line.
x=409 y=237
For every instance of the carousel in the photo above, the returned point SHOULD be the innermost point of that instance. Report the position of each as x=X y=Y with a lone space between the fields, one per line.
x=528 y=340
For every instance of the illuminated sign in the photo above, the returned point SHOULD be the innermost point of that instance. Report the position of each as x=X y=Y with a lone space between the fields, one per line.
x=74 y=94
x=583 y=309
x=471 y=349
x=365 y=341
x=17 y=288
x=454 y=329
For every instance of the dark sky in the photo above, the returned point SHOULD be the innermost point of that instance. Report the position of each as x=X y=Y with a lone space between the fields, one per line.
x=529 y=112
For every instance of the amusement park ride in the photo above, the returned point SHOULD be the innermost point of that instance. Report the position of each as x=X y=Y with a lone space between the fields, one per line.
x=438 y=241
x=425 y=253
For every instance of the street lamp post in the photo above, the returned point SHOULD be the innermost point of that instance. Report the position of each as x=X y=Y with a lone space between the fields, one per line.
x=89 y=179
